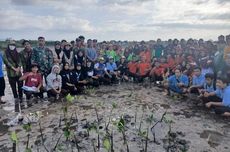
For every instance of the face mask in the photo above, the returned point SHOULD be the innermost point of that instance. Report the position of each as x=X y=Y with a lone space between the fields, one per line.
x=12 y=47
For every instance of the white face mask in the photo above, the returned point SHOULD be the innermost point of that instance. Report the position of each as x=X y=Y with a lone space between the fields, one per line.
x=12 y=47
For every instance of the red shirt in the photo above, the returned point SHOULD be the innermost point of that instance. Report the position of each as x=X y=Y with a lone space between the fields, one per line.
x=158 y=71
x=132 y=67
x=147 y=55
x=142 y=68
x=33 y=80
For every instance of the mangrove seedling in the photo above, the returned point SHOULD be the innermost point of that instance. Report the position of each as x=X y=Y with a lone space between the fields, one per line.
x=114 y=106
x=14 y=139
x=121 y=128
x=159 y=121
x=27 y=128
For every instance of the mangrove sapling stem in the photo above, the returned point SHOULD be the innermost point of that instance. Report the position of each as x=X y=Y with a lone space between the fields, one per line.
x=135 y=118
x=43 y=141
x=57 y=143
x=14 y=147
x=111 y=138
x=109 y=119
x=141 y=122
x=125 y=140
x=94 y=148
x=28 y=140
x=98 y=123
x=159 y=121
x=76 y=144
x=146 y=140
x=59 y=125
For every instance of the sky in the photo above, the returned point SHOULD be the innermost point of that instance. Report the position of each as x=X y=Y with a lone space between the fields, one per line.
x=114 y=19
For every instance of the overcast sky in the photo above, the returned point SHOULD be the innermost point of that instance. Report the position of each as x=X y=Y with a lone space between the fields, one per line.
x=114 y=19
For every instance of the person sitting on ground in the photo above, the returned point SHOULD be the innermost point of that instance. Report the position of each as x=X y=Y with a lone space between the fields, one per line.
x=67 y=85
x=123 y=69
x=178 y=82
x=198 y=81
x=33 y=84
x=132 y=68
x=54 y=83
x=223 y=107
x=111 y=68
x=157 y=72
x=101 y=71
x=208 y=92
x=91 y=77
x=143 y=69
x=79 y=78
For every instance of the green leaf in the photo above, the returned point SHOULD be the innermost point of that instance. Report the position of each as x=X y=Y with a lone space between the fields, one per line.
x=114 y=105
x=14 y=137
x=67 y=133
x=69 y=98
x=65 y=109
x=27 y=127
x=142 y=133
x=167 y=119
x=106 y=144
x=121 y=124
x=150 y=119
x=92 y=127
x=28 y=150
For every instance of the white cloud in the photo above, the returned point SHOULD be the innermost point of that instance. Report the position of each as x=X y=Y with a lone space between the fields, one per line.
x=115 y=19
x=18 y=20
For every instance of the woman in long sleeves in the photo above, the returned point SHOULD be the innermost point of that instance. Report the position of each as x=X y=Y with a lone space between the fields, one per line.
x=13 y=68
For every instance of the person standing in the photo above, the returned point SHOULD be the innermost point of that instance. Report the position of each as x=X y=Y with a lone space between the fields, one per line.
x=43 y=57
x=13 y=68
x=25 y=56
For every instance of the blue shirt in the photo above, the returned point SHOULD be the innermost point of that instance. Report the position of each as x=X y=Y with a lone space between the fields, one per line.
x=226 y=96
x=100 y=69
x=91 y=53
x=1 y=66
x=219 y=93
x=111 y=66
x=198 y=80
x=209 y=88
x=173 y=81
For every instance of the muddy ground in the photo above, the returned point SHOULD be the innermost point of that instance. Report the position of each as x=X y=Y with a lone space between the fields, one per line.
x=194 y=128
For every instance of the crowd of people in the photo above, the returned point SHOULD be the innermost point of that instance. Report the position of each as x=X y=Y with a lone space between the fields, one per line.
x=179 y=66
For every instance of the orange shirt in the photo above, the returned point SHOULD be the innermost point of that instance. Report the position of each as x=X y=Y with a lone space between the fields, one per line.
x=132 y=67
x=147 y=55
x=142 y=68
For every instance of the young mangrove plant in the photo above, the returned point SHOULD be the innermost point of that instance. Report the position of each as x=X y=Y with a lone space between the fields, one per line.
x=14 y=139
x=27 y=128
x=121 y=128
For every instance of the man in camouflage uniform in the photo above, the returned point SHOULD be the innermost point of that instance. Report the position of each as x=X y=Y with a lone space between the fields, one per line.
x=42 y=56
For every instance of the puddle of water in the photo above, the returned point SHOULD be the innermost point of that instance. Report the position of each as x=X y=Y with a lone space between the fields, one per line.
x=213 y=137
